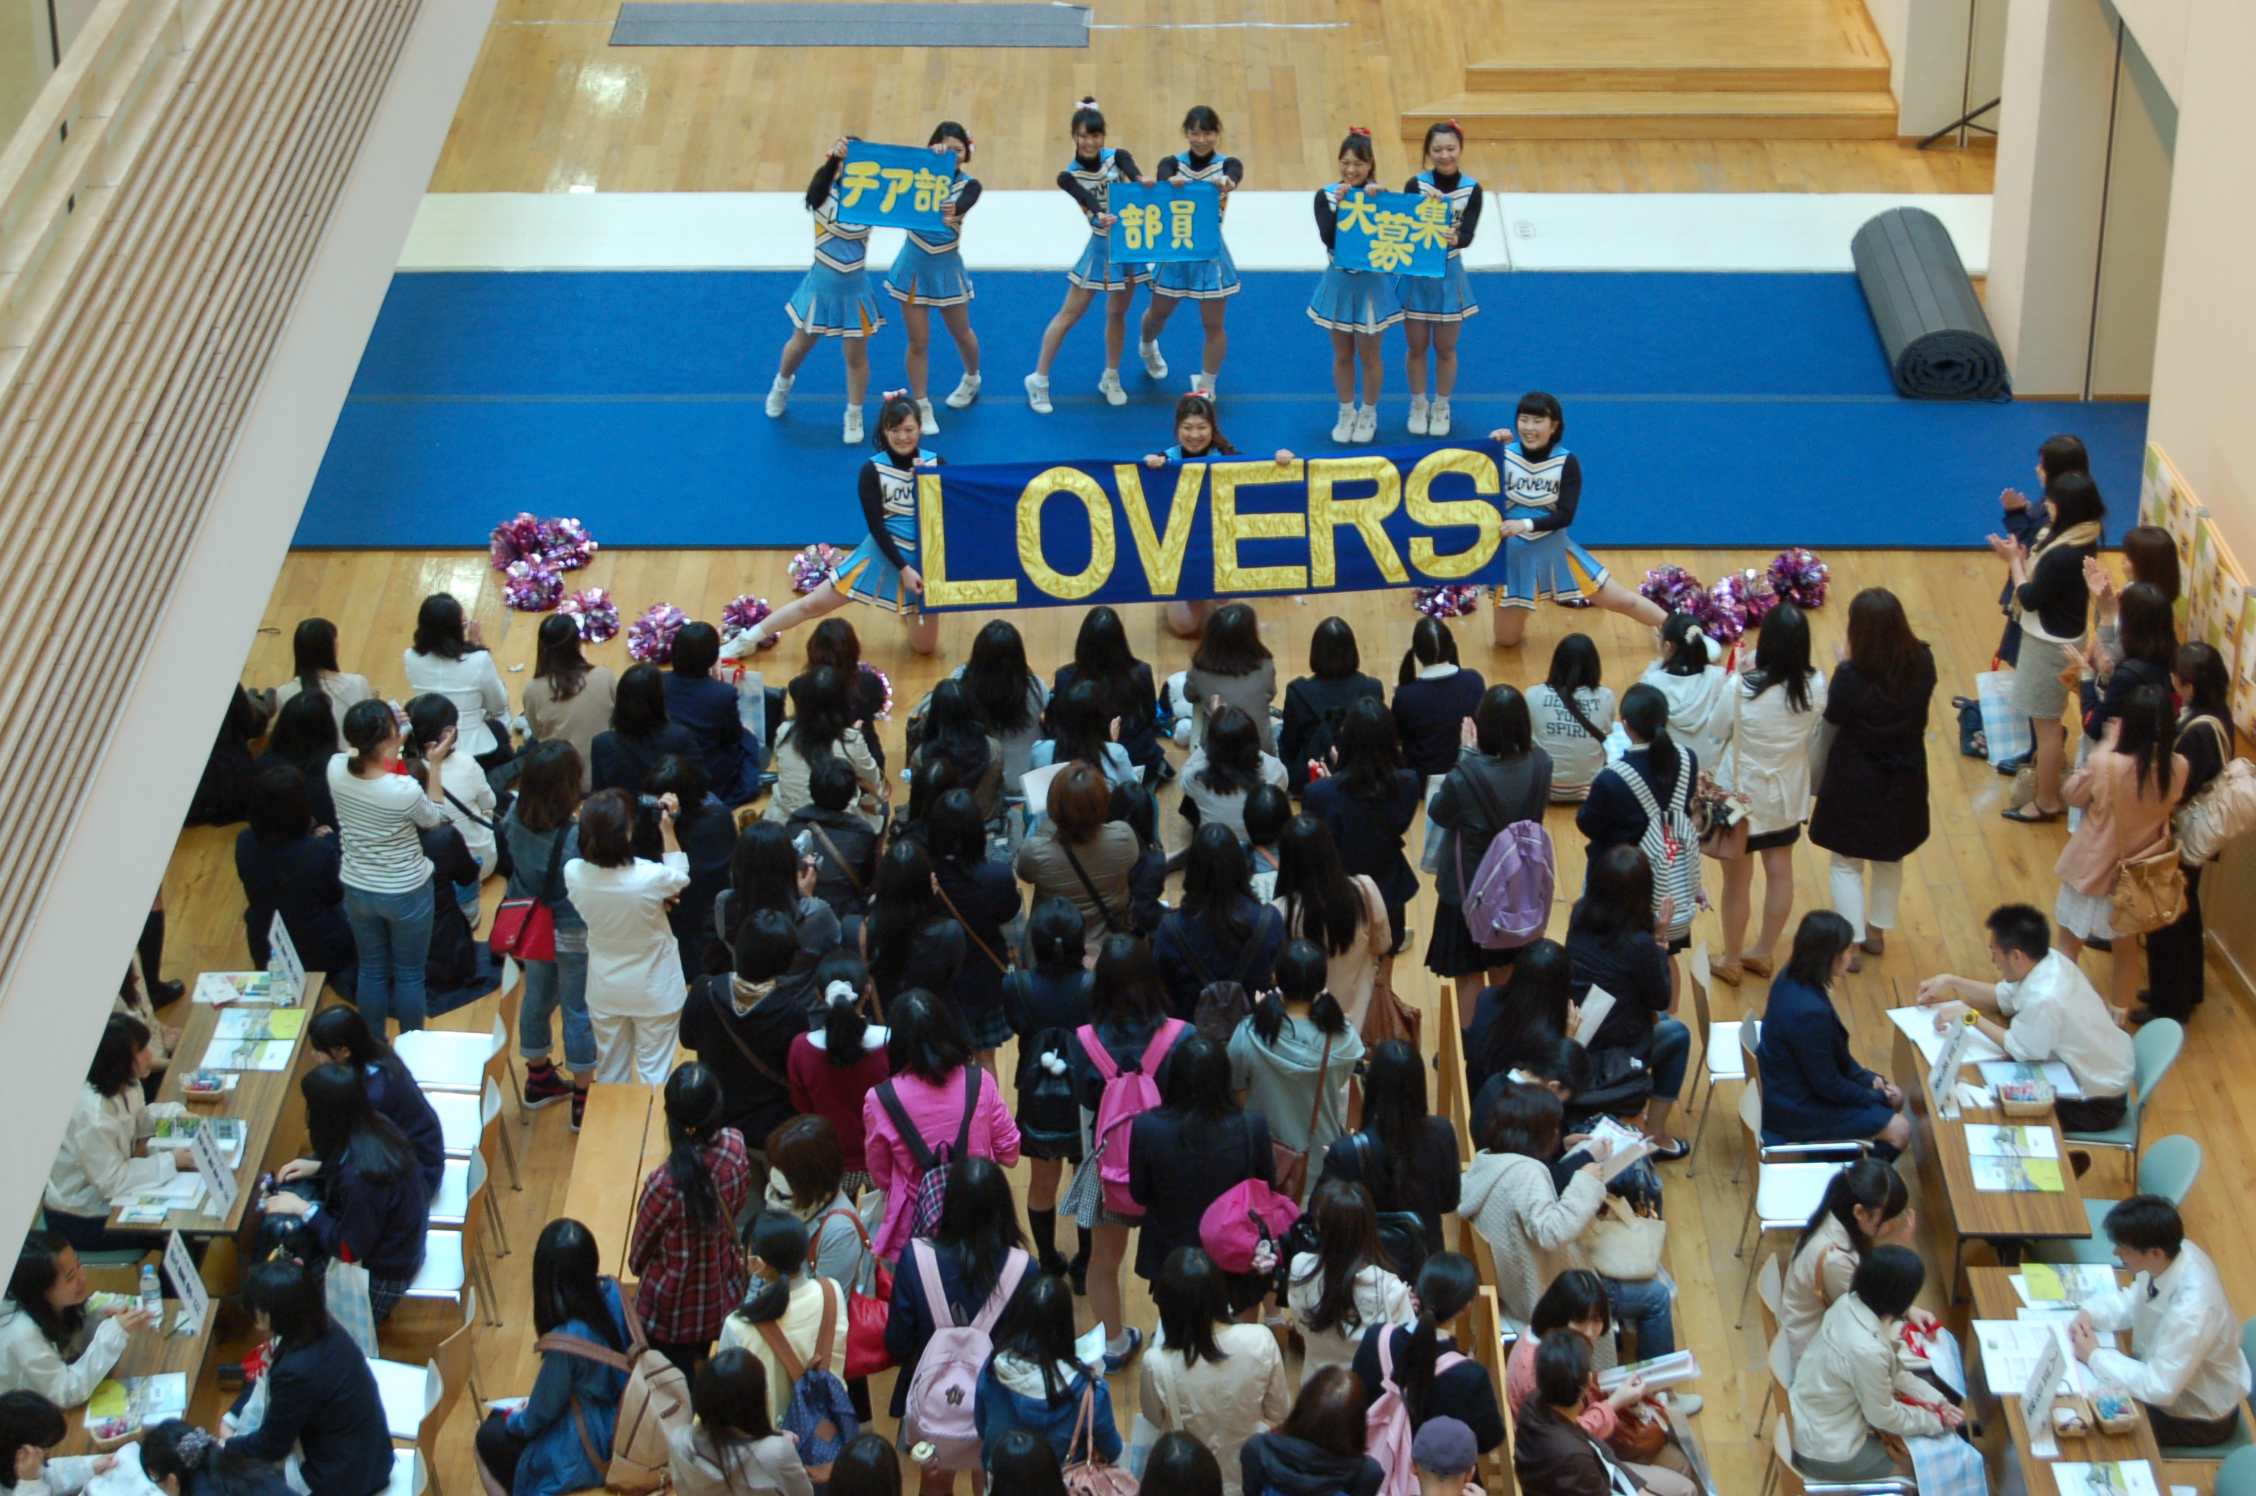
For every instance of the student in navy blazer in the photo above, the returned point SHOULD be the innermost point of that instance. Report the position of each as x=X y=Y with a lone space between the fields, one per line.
x=321 y=1398
x=1813 y=1090
x=707 y=708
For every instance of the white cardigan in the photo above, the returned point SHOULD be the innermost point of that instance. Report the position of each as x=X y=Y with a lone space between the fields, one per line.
x=30 y=1362
x=95 y=1163
x=1767 y=758
x=1380 y=1298
x=1533 y=1230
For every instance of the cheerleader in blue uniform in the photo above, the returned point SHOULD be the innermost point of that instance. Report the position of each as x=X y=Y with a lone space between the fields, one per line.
x=1435 y=307
x=882 y=570
x=929 y=272
x=1210 y=283
x=1088 y=181
x=1542 y=488
x=835 y=299
x=1198 y=438
x=1357 y=305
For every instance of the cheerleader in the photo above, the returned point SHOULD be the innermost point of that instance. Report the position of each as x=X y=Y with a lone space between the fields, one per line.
x=1357 y=305
x=1436 y=306
x=835 y=299
x=1198 y=436
x=1088 y=181
x=1210 y=283
x=882 y=571
x=929 y=272
x=1542 y=487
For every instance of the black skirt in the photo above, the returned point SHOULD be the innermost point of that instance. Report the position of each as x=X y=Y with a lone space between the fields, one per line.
x=1452 y=952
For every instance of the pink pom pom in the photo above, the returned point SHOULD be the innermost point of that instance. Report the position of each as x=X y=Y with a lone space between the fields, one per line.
x=1672 y=587
x=650 y=638
x=1721 y=611
x=1800 y=577
x=515 y=540
x=885 y=712
x=1446 y=602
x=741 y=614
x=566 y=544
x=814 y=566
x=532 y=587
x=595 y=613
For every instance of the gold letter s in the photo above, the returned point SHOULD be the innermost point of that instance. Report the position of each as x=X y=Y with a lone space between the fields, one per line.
x=1435 y=514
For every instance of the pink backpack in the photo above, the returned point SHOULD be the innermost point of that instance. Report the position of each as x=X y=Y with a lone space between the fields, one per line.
x=944 y=1389
x=1387 y=1435
x=1241 y=1218
x=1128 y=1094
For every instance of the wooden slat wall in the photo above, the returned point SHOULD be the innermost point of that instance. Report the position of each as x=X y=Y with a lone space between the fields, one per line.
x=159 y=210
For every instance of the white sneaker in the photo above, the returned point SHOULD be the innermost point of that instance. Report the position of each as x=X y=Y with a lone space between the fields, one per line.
x=779 y=395
x=967 y=390
x=1109 y=387
x=1154 y=365
x=1038 y=394
x=1343 y=430
x=1366 y=423
x=1687 y=1403
x=746 y=643
x=1417 y=415
x=1437 y=418
x=1203 y=384
x=853 y=425
x=931 y=422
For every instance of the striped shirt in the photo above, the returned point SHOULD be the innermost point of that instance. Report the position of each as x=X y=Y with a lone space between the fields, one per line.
x=376 y=828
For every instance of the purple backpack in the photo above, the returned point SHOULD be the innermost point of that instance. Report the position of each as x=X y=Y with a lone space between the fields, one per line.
x=1507 y=901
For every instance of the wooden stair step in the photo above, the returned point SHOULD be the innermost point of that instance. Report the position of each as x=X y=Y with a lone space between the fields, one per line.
x=1850 y=74
x=1630 y=114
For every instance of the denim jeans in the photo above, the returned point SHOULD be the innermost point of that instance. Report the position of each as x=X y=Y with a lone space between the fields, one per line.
x=550 y=986
x=393 y=932
x=1667 y=1056
x=1644 y=1306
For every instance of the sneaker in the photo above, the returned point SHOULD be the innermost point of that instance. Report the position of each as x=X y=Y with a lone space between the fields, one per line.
x=1108 y=385
x=1154 y=365
x=1038 y=394
x=1417 y=415
x=579 y=1106
x=1687 y=1403
x=1366 y=423
x=1677 y=1148
x=931 y=422
x=544 y=1087
x=967 y=390
x=1437 y=418
x=779 y=395
x=1343 y=430
x=1114 y=1361
x=853 y=434
x=1203 y=384
x=745 y=643
x=2141 y=1016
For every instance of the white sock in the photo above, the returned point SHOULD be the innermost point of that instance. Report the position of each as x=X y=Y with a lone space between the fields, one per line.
x=1347 y=411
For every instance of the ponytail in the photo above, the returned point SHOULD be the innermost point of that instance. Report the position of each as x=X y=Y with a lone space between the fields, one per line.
x=693 y=1111
x=1301 y=973
x=779 y=1239
x=845 y=1030
x=1644 y=711
x=1446 y=1284
x=1431 y=643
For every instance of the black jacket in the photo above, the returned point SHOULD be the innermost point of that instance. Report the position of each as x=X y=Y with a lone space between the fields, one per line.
x=618 y=762
x=1370 y=833
x=452 y=962
x=1873 y=801
x=1463 y=1392
x=1612 y=816
x=392 y=1092
x=1135 y=702
x=1434 y=1175
x=1314 y=709
x=729 y=752
x=298 y=879
x=1287 y=1466
x=1176 y=1174
x=382 y=1226
x=322 y=1398
x=843 y=882
x=753 y=1101
x=985 y=896
x=1429 y=717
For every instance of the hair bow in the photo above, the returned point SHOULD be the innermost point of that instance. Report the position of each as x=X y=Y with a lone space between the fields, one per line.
x=839 y=992
x=1359 y=130
x=893 y=395
x=1085 y=102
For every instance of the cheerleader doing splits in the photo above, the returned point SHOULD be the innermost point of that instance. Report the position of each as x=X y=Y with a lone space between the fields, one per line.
x=882 y=571
x=929 y=272
x=1210 y=283
x=1436 y=307
x=1542 y=488
x=1357 y=305
x=1088 y=181
x=1198 y=436
x=835 y=299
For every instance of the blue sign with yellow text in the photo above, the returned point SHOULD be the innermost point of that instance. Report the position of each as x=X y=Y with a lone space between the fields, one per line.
x=1396 y=233
x=1043 y=535
x=1163 y=222
x=896 y=186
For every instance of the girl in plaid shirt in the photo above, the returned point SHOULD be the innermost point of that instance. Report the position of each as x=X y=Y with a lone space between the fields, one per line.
x=684 y=1247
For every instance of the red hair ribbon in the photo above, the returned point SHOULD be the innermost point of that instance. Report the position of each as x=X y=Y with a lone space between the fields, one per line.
x=892 y=395
x=1359 y=130
x=1454 y=128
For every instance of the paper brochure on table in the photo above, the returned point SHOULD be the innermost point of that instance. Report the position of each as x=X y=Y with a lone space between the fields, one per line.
x=1985 y=1141
x=2061 y=1314
x=2072 y=1284
x=142 y=1400
x=1918 y=1025
x=2019 y=1176
x=2122 y=1478
x=238 y=1024
x=1595 y=1005
x=2051 y=1072
x=178 y=1132
x=1660 y=1372
x=235 y=987
x=248 y=1054
x=2010 y=1349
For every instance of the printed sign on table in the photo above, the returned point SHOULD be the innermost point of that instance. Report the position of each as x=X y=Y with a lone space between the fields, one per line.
x=1165 y=223
x=1395 y=233
x=896 y=186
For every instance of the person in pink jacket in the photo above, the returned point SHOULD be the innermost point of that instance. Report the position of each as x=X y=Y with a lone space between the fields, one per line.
x=2126 y=790
x=930 y=1094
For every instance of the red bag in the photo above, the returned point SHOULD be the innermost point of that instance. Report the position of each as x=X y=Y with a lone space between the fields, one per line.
x=524 y=929
x=866 y=1314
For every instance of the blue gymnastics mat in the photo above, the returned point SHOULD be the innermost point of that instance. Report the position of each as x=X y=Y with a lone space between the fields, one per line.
x=1709 y=410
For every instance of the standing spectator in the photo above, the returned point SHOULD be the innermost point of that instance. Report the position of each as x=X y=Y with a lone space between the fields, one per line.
x=684 y=1244
x=96 y=1160
x=1010 y=697
x=910 y=940
x=767 y=871
x=338 y=1035
x=1268 y=811
x=1779 y=704
x=840 y=1062
x=290 y=866
x=2127 y=790
x=1045 y=998
x=1343 y=1287
x=1219 y=933
x=1226 y=766
x=388 y=886
x=2143 y=652
x=789 y=1298
x=568 y=700
x=1813 y=1090
x=743 y=1025
x=937 y=1094
x=2023 y=520
x=304 y=737
x=1344 y=917
x=1405 y=1157
x=1034 y=1382
x=49 y=1343
x=1294 y=1055
x=322 y=1405
x=981 y=897
x=544 y=837
x=2150 y=556
x=1317 y=703
x=807 y=1177
x=547 y=1447
x=635 y=989
x=1211 y=1377
x=2049 y=598
x=1369 y=799
x=1433 y=697
x=819 y=729
x=1698 y=691
x=1849 y=1387
x=1318 y=1449
x=469 y=802
x=1462 y=1390
x=1572 y=713
x=1180 y=1464
x=707 y=708
x=1613 y=944
x=1872 y=795
x=1232 y=664
x=1184 y=1154
x=732 y=1447
x=1101 y=653
x=1500 y=778
x=1133 y=805
x=314 y=672
x=641 y=734
x=2205 y=740
x=370 y=1205
x=706 y=833
x=449 y=657
x=1615 y=816
x=1076 y=853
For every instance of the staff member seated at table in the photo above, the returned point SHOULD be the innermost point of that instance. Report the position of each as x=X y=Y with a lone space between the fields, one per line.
x=2185 y=1362
x=49 y=1344
x=96 y=1161
x=2054 y=1013
x=30 y=1425
x=1813 y=1090
x=322 y=1407
x=1849 y=1388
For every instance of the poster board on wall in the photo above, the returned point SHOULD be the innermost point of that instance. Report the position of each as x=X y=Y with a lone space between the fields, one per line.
x=2217 y=606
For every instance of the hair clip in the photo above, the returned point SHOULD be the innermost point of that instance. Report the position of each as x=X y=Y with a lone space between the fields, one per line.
x=1454 y=128
x=1359 y=130
x=839 y=992
x=890 y=395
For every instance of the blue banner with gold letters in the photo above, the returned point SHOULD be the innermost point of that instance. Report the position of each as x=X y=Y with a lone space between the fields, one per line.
x=896 y=186
x=1163 y=222
x=1397 y=233
x=1043 y=535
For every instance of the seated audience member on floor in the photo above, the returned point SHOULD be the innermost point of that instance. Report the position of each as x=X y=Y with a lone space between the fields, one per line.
x=2052 y=1012
x=2184 y=1362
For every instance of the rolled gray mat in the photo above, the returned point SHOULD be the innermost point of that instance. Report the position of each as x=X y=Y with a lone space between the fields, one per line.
x=1923 y=305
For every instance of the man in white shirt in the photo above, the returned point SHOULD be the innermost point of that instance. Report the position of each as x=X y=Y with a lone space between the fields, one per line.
x=2185 y=1362
x=2052 y=1012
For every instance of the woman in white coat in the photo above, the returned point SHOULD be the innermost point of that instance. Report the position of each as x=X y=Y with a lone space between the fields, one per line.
x=49 y=1344
x=1779 y=705
x=104 y=1152
x=634 y=984
x=1698 y=690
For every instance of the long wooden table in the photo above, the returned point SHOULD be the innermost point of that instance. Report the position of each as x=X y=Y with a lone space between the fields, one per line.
x=147 y=1352
x=622 y=1138
x=1994 y=1298
x=1955 y=1210
x=261 y=1098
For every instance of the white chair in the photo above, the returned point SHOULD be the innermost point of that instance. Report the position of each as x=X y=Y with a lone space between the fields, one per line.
x=1770 y=1293
x=453 y=1265
x=464 y=1120
x=1790 y=1180
x=414 y=1470
x=450 y=1061
x=1719 y=1051
x=463 y=1178
x=1784 y=1476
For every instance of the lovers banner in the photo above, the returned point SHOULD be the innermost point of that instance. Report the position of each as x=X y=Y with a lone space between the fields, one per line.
x=1039 y=535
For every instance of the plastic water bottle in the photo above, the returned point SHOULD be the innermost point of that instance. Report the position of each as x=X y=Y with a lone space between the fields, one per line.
x=152 y=1292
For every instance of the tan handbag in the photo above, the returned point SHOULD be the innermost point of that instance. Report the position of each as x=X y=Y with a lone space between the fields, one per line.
x=1088 y=1473
x=2149 y=891
x=1623 y=1244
